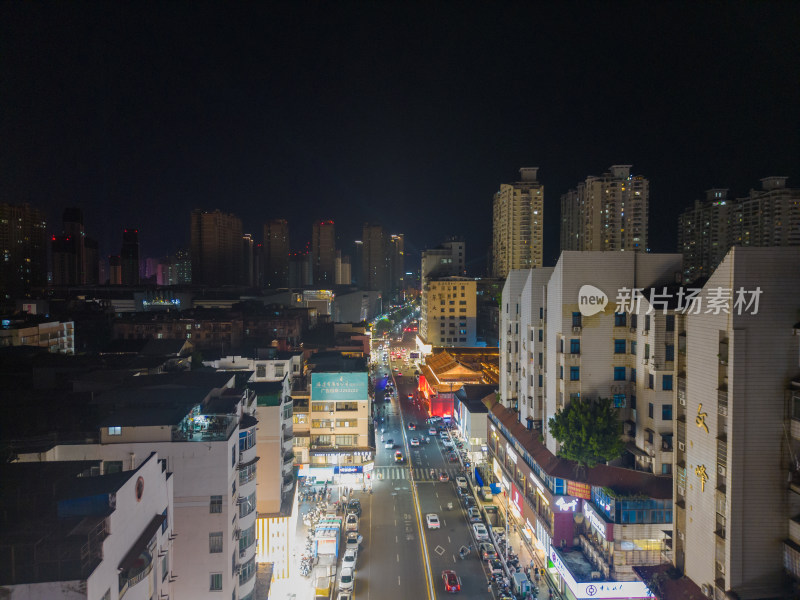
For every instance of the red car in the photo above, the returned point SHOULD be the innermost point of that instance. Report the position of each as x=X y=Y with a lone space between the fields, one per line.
x=451 y=581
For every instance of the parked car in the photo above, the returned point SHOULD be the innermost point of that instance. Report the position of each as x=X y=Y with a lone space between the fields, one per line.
x=447 y=443
x=461 y=482
x=451 y=581
x=432 y=520
x=468 y=501
x=346 y=579
x=344 y=596
x=354 y=506
x=452 y=457
x=353 y=540
x=495 y=566
x=486 y=551
x=480 y=531
x=349 y=558
x=351 y=522
x=474 y=515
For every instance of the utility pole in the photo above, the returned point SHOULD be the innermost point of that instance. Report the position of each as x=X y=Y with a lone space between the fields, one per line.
x=508 y=540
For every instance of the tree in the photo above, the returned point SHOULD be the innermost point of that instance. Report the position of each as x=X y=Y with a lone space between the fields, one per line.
x=588 y=431
x=383 y=326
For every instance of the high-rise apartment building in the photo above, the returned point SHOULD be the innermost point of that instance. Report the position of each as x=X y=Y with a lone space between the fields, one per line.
x=448 y=314
x=129 y=256
x=766 y=217
x=374 y=258
x=357 y=264
x=301 y=270
x=248 y=260
x=737 y=475
x=275 y=260
x=607 y=213
x=323 y=253
x=68 y=250
x=92 y=261
x=23 y=250
x=115 y=270
x=395 y=255
x=446 y=260
x=518 y=221
x=343 y=269
x=216 y=248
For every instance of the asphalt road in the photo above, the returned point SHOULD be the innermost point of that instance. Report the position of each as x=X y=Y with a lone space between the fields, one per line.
x=392 y=545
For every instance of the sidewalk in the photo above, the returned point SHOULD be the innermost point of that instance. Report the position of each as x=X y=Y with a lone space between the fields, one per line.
x=526 y=554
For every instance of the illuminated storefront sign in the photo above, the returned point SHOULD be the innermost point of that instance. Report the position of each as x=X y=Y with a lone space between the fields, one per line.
x=579 y=490
x=594 y=519
x=496 y=469
x=599 y=589
x=516 y=499
x=567 y=505
x=346 y=469
x=511 y=455
x=339 y=386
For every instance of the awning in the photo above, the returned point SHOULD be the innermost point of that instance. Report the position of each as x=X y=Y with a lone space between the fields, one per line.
x=141 y=543
x=633 y=449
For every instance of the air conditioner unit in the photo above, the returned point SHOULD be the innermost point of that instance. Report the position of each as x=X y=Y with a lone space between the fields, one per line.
x=707 y=590
x=238 y=569
x=236 y=533
x=597 y=575
x=645 y=332
x=681 y=535
x=681 y=490
x=682 y=446
x=576 y=329
x=682 y=401
x=721 y=567
x=721 y=470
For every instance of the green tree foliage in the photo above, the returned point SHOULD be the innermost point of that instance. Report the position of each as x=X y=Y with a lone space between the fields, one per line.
x=382 y=326
x=588 y=431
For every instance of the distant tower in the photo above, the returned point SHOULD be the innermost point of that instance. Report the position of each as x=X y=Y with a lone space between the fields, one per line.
x=216 y=248
x=114 y=270
x=374 y=258
x=323 y=253
x=607 y=213
x=395 y=254
x=275 y=259
x=129 y=257
x=23 y=248
x=518 y=221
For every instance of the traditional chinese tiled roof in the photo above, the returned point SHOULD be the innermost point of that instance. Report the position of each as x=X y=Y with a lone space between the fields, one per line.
x=623 y=481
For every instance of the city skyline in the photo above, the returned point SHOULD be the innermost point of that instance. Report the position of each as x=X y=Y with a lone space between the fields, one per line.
x=267 y=120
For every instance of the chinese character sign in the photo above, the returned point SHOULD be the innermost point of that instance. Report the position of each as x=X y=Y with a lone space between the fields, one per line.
x=688 y=301
x=339 y=386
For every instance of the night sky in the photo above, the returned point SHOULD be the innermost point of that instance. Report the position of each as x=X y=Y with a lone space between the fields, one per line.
x=406 y=114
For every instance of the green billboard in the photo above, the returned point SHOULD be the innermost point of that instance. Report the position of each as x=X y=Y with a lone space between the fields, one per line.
x=339 y=386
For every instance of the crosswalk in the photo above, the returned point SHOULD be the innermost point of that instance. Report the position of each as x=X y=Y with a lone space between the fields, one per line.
x=420 y=473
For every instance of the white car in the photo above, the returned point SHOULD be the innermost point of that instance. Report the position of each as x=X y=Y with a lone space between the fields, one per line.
x=388 y=444
x=481 y=534
x=346 y=578
x=461 y=482
x=351 y=523
x=432 y=519
x=349 y=558
x=344 y=596
x=414 y=441
x=447 y=443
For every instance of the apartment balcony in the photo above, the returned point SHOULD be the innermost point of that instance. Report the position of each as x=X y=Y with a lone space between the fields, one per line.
x=288 y=444
x=791 y=558
x=247 y=550
x=205 y=428
x=288 y=483
x=287 y=467
x=722 y=401
x=247 y=578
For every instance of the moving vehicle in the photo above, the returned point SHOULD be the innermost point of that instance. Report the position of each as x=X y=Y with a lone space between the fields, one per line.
x=346 y=579
x=412 y=426
x=388 y=444
x=451 y=581
x=411 y=396
x=398 y=457
x=480 y=531
x=452 y=457
x=433 y=431
x=432 y=520
x=486 y=551
x=444 y=477
x=414 y=441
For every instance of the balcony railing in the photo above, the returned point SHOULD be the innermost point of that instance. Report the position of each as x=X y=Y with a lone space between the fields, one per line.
x=205 y=428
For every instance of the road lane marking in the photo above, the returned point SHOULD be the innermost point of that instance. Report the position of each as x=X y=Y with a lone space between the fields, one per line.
x=448 y=540
x=398 y=558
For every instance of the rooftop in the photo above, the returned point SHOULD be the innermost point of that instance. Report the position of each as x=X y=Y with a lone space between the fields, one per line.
x=667 y=583
x=621 y=481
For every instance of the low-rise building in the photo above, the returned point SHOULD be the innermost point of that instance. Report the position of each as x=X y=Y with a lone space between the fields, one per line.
x=55 y=336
